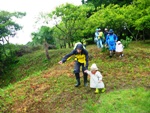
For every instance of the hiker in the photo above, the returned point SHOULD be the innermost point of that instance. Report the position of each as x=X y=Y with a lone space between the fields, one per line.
x=105 y=34
x=100 y=39
x=111 y=41
x=81 y=59
x=119 y=49
x=95 y=79
x=96 y=37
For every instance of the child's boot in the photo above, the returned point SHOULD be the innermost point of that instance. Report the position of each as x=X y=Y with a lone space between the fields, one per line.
x=97 y=91
x=103 y=90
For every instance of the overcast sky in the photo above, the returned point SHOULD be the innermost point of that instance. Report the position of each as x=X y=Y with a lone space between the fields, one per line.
x=32 y=8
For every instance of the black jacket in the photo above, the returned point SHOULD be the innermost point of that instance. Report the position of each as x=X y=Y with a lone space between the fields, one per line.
x=80 y=57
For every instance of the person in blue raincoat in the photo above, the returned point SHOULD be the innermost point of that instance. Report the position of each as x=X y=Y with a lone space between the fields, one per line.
x=111 y=41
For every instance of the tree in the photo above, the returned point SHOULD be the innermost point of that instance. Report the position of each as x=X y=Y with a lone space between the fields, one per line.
x=70 y=20
x=8 y=27
x=142 y=22
x=8 y=30
x=131 y=20
x=98 y=3
x=43 y=36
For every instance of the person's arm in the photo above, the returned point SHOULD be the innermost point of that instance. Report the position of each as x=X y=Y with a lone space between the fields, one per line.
x=88 y=72
x=66 y=57
x=96 y=34
x=99 y=75
x=122 y=46
x=107 y=37
x=116 y=38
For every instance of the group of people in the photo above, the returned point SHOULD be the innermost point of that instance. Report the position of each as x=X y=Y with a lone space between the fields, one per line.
x=109 y=39
x=81 y=60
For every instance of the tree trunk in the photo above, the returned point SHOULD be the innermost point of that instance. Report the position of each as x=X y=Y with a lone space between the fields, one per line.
x=69 y=43
x=72 y=44
x=65 y=44
x=143 y=36
x=61 y=46
x=136 y=37
x=46 y=50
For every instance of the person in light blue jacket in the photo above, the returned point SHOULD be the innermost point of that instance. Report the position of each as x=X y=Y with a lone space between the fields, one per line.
x=96 y=37
x=111 y=41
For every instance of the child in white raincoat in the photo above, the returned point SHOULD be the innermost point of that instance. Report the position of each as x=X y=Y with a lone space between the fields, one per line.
x=95 y=79
x=119 y=49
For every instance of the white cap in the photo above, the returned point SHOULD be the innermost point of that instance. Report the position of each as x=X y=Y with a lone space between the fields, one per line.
x=119 y=42
x=94 y=67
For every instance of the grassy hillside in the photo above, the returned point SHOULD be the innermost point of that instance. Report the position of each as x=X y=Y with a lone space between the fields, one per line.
x=31 y=65
x=46 y=87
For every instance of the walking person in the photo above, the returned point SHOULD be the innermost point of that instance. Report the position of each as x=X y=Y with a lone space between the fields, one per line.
x=111 y=41
x=96 y=37
x=81 y=60
x=119 y=49
x=96 y=79
x=105 y=34
x=100 y=38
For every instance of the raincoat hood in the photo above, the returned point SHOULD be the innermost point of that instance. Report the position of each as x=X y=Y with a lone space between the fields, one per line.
x=111 y=31
x=79 y=46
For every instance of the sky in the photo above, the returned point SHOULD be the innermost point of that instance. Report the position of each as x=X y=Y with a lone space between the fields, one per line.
x=32 y=9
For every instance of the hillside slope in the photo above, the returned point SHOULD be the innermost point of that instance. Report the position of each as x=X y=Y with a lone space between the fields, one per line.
x=51 y=89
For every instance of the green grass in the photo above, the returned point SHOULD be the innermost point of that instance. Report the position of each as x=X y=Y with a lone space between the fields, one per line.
x=31 y=65
x=121 y=101
x=35 y=85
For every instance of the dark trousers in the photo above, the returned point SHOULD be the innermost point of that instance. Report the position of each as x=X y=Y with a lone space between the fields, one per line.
x=77 y=71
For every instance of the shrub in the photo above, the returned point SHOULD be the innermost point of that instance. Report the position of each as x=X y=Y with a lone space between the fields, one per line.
x=127 y=41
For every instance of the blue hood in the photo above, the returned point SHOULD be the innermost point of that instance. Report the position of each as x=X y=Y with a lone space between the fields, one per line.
x=111 y=31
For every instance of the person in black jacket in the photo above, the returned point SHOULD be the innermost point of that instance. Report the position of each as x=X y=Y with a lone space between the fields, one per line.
x=81 y=59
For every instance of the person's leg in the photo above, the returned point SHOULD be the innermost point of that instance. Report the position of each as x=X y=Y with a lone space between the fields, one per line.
x=110 y=50
x=96 y=90
x=103 y=90
x=101 y=45
x=122 y=54
x=111 y=53
x=97 y=43
x=84 y=75
x=114 y=48
x=77 y=75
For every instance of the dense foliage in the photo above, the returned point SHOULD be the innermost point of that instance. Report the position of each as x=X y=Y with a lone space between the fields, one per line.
x=127 y=18
x=74 y=23
x=8 y=30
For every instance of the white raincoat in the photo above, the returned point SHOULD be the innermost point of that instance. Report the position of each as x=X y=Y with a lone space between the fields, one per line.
x=94 y=80
x=119 y=47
